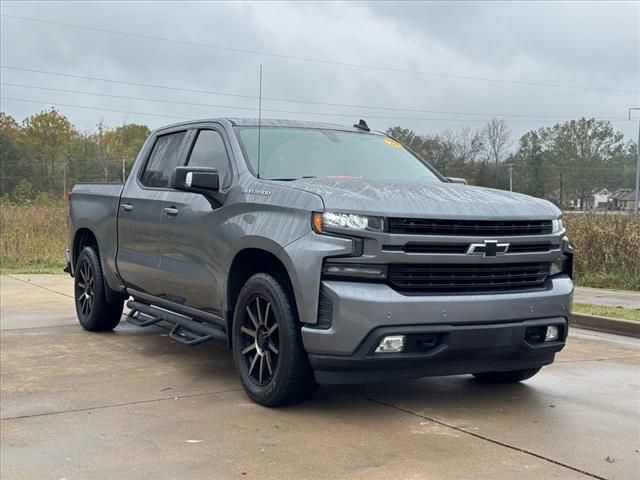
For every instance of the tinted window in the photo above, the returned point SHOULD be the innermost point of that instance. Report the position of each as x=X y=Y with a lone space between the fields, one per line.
x=209 y=151
x=163 y=160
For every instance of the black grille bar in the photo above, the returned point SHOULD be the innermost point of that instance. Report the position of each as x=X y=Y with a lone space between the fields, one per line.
x=420 y=226
x=461 y=248
x=467 y=279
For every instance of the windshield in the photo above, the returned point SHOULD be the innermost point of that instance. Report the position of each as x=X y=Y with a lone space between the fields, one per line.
x=292 y=153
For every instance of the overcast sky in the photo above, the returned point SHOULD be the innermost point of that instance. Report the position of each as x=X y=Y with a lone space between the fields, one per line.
x=427 y=66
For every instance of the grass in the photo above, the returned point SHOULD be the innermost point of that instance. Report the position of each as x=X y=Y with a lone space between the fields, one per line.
x=607 y=311
x=607 y=250
x=33 y=238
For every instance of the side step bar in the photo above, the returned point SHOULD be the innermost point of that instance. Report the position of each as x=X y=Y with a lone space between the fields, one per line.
x=185 y=330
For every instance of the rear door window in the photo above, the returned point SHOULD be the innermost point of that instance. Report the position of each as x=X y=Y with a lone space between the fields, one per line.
x=163 y=160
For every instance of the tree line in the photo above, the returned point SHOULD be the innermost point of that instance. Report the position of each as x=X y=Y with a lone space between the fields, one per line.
x=44 y=155
x=564 y=162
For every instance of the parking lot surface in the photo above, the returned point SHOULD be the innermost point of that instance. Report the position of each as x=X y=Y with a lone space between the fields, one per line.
x=133 y=404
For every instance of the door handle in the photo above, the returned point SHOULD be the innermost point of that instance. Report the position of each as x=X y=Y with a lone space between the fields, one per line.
x=170 y=211
x=126 y=207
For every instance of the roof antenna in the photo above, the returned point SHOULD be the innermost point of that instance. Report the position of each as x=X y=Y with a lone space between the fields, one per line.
x=259 y=118
x=362 y=125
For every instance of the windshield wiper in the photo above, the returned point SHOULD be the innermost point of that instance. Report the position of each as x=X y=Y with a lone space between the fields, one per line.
x=289 y=179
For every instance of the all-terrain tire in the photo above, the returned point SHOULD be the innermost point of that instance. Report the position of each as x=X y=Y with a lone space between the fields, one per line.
x=94 y=312
x=267 y=344
x=513 y=376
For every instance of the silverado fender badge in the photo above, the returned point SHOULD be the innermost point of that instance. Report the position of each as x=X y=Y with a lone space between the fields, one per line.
x=249 y=191
x=490 y=248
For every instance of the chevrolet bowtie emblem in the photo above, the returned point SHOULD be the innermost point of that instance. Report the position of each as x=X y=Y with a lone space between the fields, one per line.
x=490 y=248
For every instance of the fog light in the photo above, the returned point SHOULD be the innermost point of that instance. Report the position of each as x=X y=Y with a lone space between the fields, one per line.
x=553 y=333
x=391 y=344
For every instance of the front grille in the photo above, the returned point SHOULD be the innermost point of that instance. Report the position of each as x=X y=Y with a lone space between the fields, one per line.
x=461 y=248
x=474 y=228
x=467 y=278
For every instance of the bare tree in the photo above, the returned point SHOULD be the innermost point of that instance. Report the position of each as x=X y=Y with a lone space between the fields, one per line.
x=496 y=136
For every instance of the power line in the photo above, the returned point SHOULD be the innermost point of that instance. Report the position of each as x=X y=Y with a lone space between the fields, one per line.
x=253 y=97
x=85 y=107
x=88 y=107
x=233 y=107
x=315 y=60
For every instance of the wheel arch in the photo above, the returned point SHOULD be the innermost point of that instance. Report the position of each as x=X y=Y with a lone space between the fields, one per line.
x=85 y=237
x=247 y=262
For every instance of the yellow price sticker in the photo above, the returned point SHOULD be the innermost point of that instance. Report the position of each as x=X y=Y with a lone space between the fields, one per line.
x=392 y=142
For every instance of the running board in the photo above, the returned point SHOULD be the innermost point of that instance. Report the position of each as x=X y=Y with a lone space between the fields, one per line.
x=185 y=330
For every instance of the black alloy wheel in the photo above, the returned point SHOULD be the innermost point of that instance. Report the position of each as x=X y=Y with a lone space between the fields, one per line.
x=260 y=340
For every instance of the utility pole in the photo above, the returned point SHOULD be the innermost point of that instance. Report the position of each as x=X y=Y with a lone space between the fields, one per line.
x=123 y=171
x=561 y=191
x=635 y=206
x=510 y=165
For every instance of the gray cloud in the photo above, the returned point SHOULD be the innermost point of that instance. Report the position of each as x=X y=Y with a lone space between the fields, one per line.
x=577 y=43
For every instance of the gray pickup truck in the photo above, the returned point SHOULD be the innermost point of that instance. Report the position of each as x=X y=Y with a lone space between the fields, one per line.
x=321 y=254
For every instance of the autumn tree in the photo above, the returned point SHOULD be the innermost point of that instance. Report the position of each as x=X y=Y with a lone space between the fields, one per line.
x=47 y=137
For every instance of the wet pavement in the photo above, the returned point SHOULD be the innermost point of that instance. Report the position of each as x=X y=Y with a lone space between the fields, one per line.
x=134 y=404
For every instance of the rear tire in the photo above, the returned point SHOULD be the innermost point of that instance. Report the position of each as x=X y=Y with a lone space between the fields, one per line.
x=94 y=312
x=514 y=376
x=267 y=346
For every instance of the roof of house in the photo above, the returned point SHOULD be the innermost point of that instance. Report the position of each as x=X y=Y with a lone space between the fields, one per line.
x=619 y=193
x=629 y=197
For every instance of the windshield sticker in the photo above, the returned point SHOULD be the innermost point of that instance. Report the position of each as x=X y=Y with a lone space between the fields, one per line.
x=392 y=142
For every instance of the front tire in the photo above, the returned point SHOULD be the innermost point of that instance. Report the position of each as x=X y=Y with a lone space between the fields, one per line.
x=267 y=347
x=513 y=376
x=94 y=312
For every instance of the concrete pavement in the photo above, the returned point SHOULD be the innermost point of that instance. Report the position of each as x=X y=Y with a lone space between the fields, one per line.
x=134 y=404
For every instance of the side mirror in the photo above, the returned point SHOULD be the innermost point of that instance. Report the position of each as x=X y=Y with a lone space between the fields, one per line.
x=196 y=179
x=457 y=180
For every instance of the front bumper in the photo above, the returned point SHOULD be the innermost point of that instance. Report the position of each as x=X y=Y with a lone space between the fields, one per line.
x=480 y=332
x=443 y=350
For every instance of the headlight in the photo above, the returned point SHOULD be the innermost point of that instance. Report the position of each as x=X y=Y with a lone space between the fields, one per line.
x=558 y=266
x=557 y=225
x=321 y=222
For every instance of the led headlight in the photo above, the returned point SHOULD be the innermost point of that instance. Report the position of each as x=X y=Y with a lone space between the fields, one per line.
x=322 y=222
x=557 y=225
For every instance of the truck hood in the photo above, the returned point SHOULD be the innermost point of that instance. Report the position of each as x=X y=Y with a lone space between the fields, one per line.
x=398 y=198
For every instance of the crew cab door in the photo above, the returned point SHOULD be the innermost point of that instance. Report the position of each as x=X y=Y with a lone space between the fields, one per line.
x=140 y=215
x=193 y=251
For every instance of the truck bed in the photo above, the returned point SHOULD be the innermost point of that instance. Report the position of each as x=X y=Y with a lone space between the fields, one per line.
x=95 y=206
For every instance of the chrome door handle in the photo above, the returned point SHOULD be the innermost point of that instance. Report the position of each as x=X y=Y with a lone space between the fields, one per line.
x=170 y=211
x=126 y=207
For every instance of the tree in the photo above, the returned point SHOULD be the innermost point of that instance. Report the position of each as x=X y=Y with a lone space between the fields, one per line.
x=530 y=165
x=496 y=137
x=585 y=152
x=9 y=152
x=47 y=136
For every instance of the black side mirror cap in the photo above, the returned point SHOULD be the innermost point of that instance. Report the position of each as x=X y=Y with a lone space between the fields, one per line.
x=457 y=180
x=196 y=179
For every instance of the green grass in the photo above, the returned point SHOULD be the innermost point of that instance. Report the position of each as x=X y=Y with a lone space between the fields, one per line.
x=8 y=269
x=607 y=311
